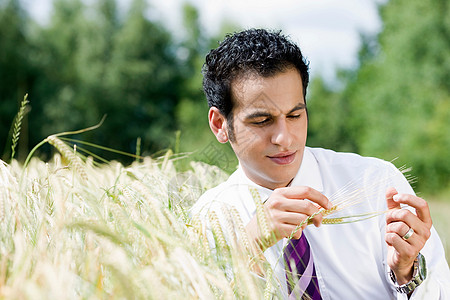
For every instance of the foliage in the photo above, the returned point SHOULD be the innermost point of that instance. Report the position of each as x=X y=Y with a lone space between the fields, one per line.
x=124 y=68
x=92 y=59
x=192 y=110
x=397 y=104
x=14 y=67
x=328 y=114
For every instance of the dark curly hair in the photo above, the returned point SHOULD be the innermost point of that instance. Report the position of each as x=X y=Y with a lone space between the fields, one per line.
x=260 y=51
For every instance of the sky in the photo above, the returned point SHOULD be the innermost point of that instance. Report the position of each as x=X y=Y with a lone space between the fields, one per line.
x=328 y=31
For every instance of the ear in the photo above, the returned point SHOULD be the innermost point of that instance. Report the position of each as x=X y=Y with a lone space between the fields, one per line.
x=218 y=124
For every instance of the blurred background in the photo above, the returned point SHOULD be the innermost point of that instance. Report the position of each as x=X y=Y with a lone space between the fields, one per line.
x=380 y=75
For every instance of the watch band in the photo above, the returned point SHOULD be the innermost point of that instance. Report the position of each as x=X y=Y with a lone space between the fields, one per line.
x=419 y=275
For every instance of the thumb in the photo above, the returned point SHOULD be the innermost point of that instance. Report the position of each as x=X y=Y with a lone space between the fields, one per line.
x=390 y=192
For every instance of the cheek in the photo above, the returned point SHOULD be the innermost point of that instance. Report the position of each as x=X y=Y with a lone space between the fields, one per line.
x=250 y=150
x=247 y=138
x=301 y=129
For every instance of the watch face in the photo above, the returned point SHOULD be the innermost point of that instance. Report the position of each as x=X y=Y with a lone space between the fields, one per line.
x=422 y=267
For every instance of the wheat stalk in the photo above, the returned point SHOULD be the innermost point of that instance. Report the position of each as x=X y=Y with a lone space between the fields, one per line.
x=18 y=125
x=351 y=195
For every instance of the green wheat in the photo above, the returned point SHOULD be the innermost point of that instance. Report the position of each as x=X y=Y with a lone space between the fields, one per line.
x=18 y=125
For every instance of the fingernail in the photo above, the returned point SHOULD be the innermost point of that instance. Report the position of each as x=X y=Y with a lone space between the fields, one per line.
x=396 y=197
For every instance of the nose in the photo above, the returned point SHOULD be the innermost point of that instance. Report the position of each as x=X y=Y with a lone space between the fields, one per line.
x=281 y=135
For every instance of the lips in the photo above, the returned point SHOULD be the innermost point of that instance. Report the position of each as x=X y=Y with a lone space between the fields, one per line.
x=283 y=158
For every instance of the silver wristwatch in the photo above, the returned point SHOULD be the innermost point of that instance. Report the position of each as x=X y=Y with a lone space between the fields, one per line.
x=419 y=275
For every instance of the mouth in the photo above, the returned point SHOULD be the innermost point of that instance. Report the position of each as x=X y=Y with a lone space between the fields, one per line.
x=283 y=158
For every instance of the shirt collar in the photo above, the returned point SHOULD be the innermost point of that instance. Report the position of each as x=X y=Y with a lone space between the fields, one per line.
x=309 y=173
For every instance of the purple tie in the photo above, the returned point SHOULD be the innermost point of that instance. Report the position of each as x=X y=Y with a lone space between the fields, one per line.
x=302 y=284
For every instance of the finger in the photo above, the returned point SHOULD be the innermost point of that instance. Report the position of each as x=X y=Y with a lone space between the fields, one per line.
x=401 y=215
x=317 y=220
x=289 y=231
x=421 y=206
x=298 y=206
x=308 y=209
x=390 y=193
x=300 y=216
x=295 y=233
x=290 y=218
x=399 y=228
x=304 y=192
x=405 y=216
x=405 y=249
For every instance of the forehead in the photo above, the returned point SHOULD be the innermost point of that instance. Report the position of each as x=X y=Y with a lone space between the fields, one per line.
x=277 y=93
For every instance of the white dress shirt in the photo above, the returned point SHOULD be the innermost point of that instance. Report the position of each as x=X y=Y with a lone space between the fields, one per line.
x=350 y=259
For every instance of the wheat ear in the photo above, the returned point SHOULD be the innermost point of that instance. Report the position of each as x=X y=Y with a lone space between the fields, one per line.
x=269 y=289
x=18 y=125
x=69 y=154
x=197 y=233
x=241 y=229
x=217 y=230
x=261 y=216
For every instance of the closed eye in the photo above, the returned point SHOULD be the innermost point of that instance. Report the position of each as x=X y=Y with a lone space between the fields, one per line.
x=261 y=121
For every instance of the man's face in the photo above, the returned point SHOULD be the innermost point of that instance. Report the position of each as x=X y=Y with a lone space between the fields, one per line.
x=270 y=126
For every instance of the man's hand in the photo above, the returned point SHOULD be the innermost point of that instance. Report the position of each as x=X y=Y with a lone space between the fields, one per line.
x=286 y=208
x=402 y=252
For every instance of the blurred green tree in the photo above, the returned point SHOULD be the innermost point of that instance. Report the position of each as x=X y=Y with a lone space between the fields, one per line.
x=396 y=104
x=97 y=62
x=328 y=113
x=15 y=70
x=192 y=111
x=403 y=91
x=92 y=59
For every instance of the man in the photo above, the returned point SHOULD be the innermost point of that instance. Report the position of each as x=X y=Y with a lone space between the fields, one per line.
x=255 y=83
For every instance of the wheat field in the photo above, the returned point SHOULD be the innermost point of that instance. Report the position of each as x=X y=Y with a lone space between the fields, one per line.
x=74 y=229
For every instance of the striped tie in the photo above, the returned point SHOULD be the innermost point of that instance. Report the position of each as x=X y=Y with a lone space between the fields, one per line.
x=302 y=282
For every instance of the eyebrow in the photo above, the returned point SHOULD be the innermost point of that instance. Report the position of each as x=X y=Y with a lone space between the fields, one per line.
x=297 y=107
x=259 y=114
